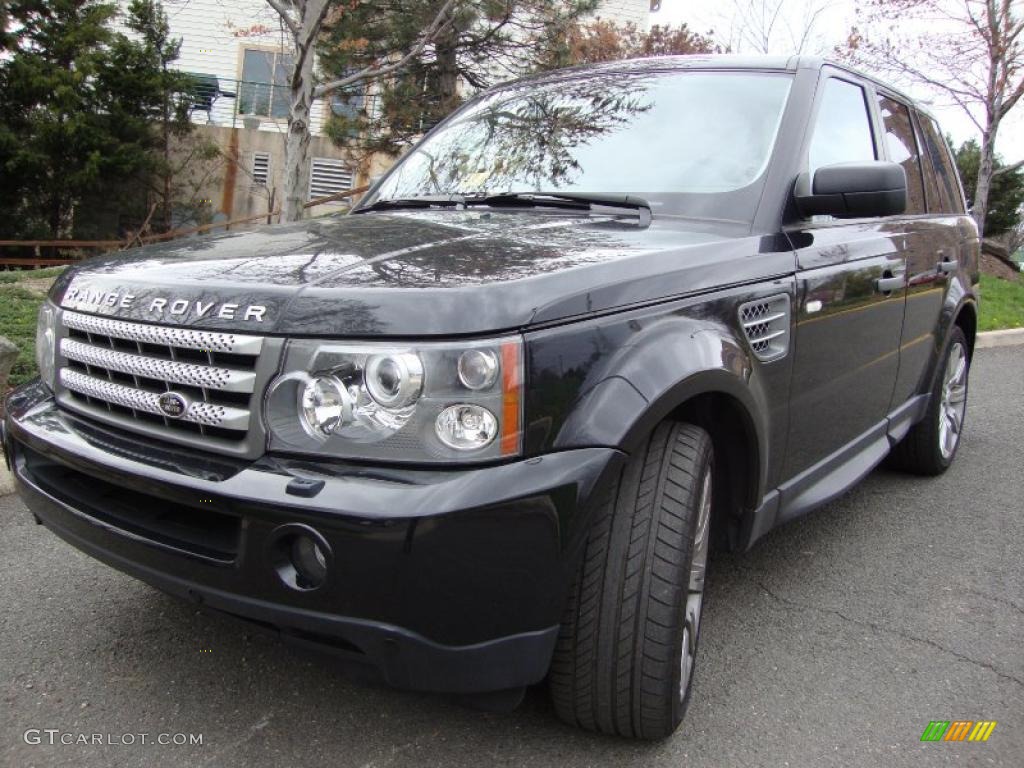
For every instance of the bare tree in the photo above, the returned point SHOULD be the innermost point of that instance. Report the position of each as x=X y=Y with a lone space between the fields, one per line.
x=304 y=21
x=772 y=26
x=970 y=52
x=1015 y=237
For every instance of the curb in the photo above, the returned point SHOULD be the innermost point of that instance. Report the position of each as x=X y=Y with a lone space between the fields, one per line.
x=1009 y=338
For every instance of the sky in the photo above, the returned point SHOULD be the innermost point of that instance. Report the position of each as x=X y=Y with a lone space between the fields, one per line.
x=830 y=29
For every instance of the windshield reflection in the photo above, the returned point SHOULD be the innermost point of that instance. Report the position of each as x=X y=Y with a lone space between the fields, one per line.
x=671 y=136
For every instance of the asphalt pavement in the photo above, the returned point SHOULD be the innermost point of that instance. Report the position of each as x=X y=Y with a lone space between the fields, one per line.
x=833 y=642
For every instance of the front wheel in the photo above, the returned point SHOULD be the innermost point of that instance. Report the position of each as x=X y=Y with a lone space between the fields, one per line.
x=625 y=655
x=930 y=446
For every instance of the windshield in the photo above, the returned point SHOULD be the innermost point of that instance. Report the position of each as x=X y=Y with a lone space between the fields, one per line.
x=693 y=143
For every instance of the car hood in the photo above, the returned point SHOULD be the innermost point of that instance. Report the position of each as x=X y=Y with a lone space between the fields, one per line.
x=413 y=273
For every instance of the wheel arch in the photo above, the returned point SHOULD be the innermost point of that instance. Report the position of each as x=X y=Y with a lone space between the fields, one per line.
x=967 y=320
x=724 y=406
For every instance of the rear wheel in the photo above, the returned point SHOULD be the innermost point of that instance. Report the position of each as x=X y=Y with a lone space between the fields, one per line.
x=625 y=655
x=930 y=446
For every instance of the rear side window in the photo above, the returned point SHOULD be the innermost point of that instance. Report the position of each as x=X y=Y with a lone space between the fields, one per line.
x=946 y=197
x=842 y=130
x=902 y=146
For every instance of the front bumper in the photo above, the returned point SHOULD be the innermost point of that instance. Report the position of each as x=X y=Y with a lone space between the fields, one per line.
x=445 y=580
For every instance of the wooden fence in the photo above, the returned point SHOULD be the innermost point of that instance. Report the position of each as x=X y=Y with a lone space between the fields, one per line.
x=110 y=245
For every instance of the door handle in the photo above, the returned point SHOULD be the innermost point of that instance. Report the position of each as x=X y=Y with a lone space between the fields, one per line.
x=890 y=283
x=947 y=267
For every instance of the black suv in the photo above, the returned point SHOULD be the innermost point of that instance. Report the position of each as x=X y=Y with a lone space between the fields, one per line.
x=483 y=429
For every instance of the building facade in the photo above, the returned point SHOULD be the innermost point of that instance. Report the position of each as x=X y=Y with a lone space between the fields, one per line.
x=627 y=11
x=239 y=56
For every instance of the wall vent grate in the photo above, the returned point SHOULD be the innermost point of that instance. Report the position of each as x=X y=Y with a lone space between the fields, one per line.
x=328 y=177
x=260 y=168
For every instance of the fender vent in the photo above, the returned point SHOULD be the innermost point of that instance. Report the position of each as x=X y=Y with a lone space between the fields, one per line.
x=766 y=325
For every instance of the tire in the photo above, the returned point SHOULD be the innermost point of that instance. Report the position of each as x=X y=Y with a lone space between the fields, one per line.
x=930 y=446
x=619 y=665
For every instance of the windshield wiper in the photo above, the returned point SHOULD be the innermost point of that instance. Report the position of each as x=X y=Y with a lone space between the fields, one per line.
x=424 y=201
x=579 y=201
x=587 y=201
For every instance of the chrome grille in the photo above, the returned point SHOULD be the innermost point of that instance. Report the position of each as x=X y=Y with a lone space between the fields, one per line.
x=183 y=338
x=120 y=369
x=142 y=400
x=766 y=325
x=201 y=376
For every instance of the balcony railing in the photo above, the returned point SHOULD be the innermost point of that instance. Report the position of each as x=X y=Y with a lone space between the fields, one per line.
x=234 y=103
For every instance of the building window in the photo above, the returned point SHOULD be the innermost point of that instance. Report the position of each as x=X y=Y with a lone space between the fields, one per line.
x=260 y=168
x=328 y=177
x=263 y=90
x=349 y=102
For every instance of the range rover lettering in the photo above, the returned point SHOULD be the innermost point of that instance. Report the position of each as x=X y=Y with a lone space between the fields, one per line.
x=483 y=430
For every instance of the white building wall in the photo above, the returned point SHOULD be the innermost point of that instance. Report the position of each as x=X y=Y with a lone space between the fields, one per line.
x=213 y=32
x=625 y=11
x=213 y=35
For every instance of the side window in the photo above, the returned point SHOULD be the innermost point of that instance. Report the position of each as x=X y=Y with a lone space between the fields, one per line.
x=931 y=176
x=902 y=146
x=947 y=194
x=842 y=131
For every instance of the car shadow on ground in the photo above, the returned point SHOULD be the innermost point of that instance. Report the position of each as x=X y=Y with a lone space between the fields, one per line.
x=226 y=672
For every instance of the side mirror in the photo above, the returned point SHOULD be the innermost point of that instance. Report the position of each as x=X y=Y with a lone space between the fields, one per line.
x=853 y=190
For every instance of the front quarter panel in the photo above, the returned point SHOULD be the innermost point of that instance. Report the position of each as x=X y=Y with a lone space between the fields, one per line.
x=609 y=381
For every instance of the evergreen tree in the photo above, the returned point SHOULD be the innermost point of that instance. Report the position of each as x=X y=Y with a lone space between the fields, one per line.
x=411 y=48
x=483 y=43
x=51 y=147
x=1006 y=195
x=600 y=40
x=86 y=114
x=489 y=41
x=153 y=100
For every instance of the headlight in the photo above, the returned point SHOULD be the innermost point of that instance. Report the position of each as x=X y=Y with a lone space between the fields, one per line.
x=394 y=381
x=326 y=405
x=430 y=402
x=478 y=368
x=46 y=343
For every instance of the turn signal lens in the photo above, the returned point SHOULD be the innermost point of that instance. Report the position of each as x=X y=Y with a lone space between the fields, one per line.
x=512 y=398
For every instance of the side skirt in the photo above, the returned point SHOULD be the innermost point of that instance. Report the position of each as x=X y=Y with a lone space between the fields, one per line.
x=833 y=475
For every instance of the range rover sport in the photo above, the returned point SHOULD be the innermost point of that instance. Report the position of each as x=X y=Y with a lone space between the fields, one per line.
x=482 y=430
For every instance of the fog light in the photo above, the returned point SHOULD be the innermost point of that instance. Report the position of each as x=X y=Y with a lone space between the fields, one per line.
x=300 y=555
x=309 y=562
x=466 y=427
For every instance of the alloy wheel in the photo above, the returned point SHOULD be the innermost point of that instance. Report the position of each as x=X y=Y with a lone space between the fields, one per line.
x=954 y=400
x=695 y=589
